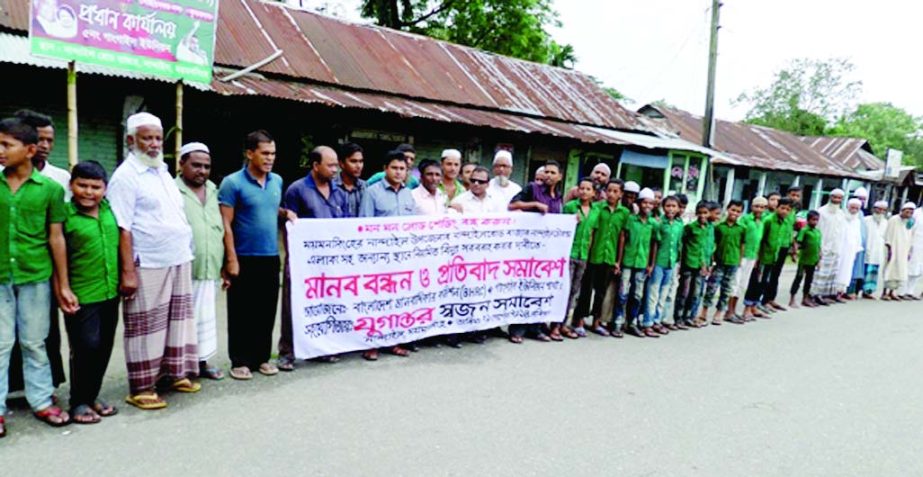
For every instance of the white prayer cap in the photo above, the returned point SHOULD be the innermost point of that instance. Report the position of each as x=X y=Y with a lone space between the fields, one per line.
x=454 y=153
x=861 y=193
x=602 y=166
x=503 y=154
x=760 y=201
x=881 y=204
x=909 y=205
x=143 y=119
x=838 y=192
x=632 y=186
x=646 y=194
x=856 y=202
x=193 y=147
x=540 y=170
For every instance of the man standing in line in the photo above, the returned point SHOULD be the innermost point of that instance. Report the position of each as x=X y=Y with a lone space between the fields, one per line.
x=501 y=186
x=794 y=194
x=915 y=267
x=876 y=225
x=478 y=200
x=251 y=201
x=429 y=199
x=897 y=252
x=600 y=176
x=311 y=197
x=832 y=227
x=465 y=175
x=349 y=179
x=155 y=262
x=412 y=178
x=200 y=200
x=451 y=165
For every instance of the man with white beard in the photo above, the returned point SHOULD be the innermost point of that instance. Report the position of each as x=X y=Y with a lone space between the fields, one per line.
x=155 y=268
x=915 y=267
x=851 y=248
x=832 y=227
x=501 y=186
x=875 y=225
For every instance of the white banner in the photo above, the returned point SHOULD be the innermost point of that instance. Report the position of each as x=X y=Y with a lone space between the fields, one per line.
x=377 y=282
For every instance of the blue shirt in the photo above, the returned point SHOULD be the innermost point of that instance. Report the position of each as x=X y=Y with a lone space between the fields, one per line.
x=303 y=198
x=382 y=200
x=256 y=212
x=412 y=181
x=353 y=197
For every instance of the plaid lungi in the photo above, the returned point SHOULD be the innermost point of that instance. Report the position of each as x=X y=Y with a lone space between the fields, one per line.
x=203 y=292
x=825 y=278
x=160 y=329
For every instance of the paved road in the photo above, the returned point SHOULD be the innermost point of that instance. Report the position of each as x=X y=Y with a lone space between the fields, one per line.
x=829 y=392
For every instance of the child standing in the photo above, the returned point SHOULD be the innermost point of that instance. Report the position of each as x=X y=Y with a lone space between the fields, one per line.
x=637 y=249
x=587 y=217
x=714 y=216
x=774 y=229
x=808 y=241
x=668 y=234
x=92 y=236
x=729 y=241
x=753 y=222
x=693 y=267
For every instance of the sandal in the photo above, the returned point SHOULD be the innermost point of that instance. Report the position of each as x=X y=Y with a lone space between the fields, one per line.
x=285 y=364
x=543 y=337
x=326 y=359
x=185 y=385
x=83 y=414
x=370 y=355
x=601 y=330
x=104 y=409
x=2 y=428
x=398 y=351
x=580 y=332
x=516 y=339
x=211 y=372
x=146 y=401
x=556 y=337
x=268 y=369
x=569 y=333
x=716 y=322
x=241 y=373
x=53 y=416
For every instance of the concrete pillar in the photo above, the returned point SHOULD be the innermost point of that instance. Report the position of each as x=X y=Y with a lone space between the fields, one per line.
x=761 y=187
x=729 y=187
x=818 y=194
x=797 y=181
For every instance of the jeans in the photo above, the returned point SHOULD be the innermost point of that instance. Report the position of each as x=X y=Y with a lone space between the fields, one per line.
x=687 y=293
x=24 y=314
x=252 y=302
x=631 y=293
x=658 y=291
x=577 y=269
x=806 y=272
x=772 y=287
x=91 y=333
x=723 y=278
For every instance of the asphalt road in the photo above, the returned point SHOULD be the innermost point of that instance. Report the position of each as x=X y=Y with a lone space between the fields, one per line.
x=834 y=391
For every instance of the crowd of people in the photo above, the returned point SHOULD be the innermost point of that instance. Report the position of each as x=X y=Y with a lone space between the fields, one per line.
x=160 y=247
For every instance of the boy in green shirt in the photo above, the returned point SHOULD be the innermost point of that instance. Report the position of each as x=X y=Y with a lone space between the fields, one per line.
x=774 y=230
x=637 y=250
x=729 y=244
x=31 y=250
x=601 y=268
x=809 y=240
x=693 y=268
x=753 y=222
x=668 y=233
x=587 y=217
x=92 y=236
x=714 y=217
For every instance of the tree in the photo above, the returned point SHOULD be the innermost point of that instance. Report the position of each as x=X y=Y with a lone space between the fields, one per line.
x=884 y=126
x=516 y=28
x=805 y=97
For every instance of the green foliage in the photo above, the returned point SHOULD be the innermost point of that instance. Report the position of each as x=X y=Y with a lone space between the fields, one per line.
x=884 y=126
x=514 y=28
x=804 y=97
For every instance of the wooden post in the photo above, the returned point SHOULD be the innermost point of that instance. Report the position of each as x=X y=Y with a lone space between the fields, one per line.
x=71 y=114
x=179 y=122
x=708 y=133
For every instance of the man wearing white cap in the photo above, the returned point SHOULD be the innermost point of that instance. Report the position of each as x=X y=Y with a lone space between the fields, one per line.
x=539 y=175
x=876 y=225
x=897 y=251
x=915 y=267
x=832 y=227
x=155 y=262
x=501 y=186
x=451 y=166
x=851 y=248
x=200 y=200
x=600 y=176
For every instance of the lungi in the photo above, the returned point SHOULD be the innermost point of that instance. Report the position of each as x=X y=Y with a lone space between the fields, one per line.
x=825 y=278
x=871 y=278
x=160 y=328
x=204 y=295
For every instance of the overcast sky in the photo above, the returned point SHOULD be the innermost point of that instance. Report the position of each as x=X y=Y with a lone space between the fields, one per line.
x=658 y=49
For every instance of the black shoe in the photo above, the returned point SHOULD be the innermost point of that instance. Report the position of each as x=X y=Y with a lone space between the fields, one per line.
x=634 y=331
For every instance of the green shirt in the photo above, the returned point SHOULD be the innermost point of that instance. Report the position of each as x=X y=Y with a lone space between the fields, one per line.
x=773 y=238
x=710 y=243
x=729 y=239
x=92 y=253
x=695 y=237
x=24 y=220
x=609 y=224
x=669 y=236
x=788 y=234
x=459 y=190
x=207 y=230
x=809 y=238
x=584 y=233
x=638 y=235
x=753 y=236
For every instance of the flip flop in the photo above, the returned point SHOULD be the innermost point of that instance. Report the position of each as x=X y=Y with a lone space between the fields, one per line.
x=268 y=369
x=49 y=412
x=241 y=373
x=84 y=411
x=185 y=385
x=211 y=372
x=104 y=409
x=148 y=401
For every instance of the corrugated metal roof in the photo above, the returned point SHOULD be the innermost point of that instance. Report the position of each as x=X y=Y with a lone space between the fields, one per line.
x=748 y=145
x=370 y=59
x=854 y=153
x=658 y=142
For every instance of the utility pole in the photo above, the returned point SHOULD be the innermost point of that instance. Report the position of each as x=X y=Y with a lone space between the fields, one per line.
x=708 y=133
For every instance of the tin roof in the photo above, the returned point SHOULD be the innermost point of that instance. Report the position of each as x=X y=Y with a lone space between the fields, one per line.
x=855 y=153
x=749 y=145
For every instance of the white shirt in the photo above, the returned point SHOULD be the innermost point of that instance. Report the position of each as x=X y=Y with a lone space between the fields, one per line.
x=146 y=202
x=503 y=193
x=429 y=204
x=472 y=205
x=61 y=176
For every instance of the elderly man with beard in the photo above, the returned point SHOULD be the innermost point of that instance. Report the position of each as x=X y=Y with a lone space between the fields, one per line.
x=832 y=227
x=897 y=251
x=915 y=267
x=155 y=264
x=501 y=186
x=851 y=249
x=600 y=176
x=200 y=199
x=876 y=225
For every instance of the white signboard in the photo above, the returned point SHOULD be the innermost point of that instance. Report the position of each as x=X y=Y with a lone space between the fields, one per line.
x=893 y=164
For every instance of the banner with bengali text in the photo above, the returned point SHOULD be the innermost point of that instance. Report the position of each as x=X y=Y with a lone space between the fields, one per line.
x=377 y=282
x=173 y=39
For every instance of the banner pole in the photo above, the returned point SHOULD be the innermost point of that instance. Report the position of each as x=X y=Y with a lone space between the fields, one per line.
x=72 y=114
x=179 y=122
